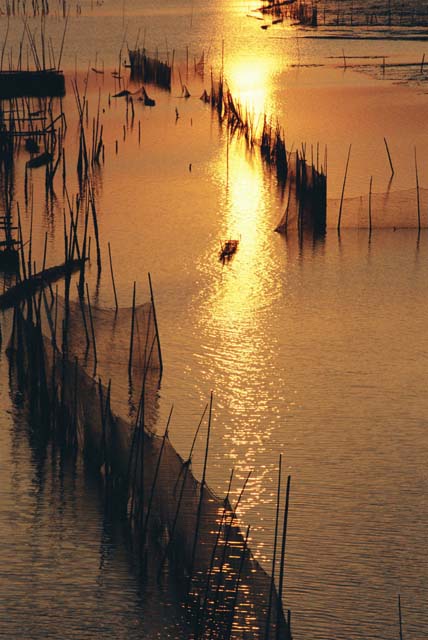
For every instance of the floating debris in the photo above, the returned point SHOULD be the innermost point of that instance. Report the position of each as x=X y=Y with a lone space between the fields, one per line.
x=148 y=102
x=122 y=94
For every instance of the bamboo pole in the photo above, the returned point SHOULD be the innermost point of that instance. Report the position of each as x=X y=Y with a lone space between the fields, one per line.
x=272 y=584
x=281 y=568
x=131 y=343
x=112 y=277
x=219 y=570
x=400 y=619
x=238 y=580
x=417 y=192
x=370 y=205
x=44 y=251
x=180 y=498
x=389 y=157
x=156 y=326
x=82 y=309
x=155 y=477
x=91 y=320
x=339 y=220
x=199 y=511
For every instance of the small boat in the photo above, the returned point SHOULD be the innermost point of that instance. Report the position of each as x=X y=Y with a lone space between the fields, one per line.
x=265 y=26
x=186 y=92
x=228 y=249
x=40 y=161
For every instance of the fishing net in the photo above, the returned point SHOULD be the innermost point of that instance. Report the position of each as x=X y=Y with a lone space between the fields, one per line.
x=389 y=210
x=176 y=519
x=403 y=209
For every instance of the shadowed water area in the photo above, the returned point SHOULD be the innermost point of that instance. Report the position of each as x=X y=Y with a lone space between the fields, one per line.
x=315 y=348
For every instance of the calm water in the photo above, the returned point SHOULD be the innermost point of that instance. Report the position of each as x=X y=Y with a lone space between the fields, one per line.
x=316 y=350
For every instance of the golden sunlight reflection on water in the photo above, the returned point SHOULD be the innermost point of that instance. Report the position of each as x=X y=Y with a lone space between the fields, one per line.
x=250 y=80
x=233 y=318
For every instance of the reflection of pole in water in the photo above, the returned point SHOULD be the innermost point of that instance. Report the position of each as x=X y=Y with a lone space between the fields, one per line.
x=370 y=205
x=389 y=157
x=227 y=157
x=400 y=617
x=417 y=192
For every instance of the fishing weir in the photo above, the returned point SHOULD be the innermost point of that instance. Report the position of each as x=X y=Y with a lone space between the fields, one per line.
x=149 y=69
x=89 y=378
x=303 y=180
x=180 y=529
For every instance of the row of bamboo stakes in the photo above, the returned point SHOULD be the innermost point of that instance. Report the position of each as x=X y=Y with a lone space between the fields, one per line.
x=273 y=151
x=38 y=8
x=346 y=14
x=70 y=436
x=75 y=249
